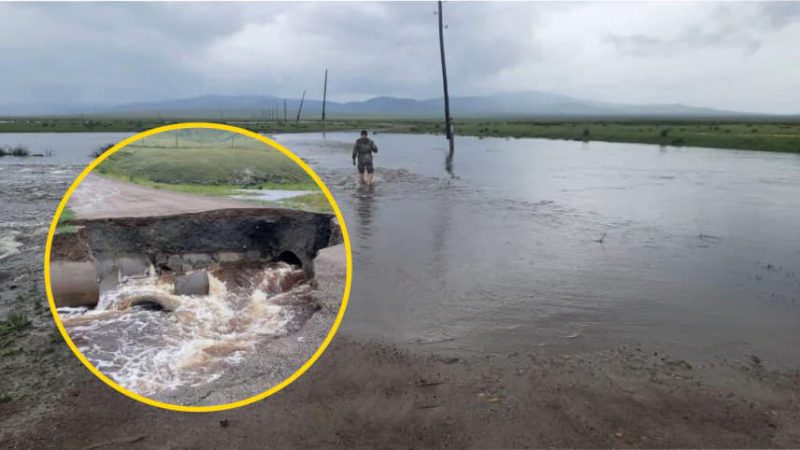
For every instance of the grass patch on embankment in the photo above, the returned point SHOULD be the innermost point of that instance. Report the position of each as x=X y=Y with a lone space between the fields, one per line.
x=67 y=214
x=754 y=135
x=207 y=162
x=310 y=202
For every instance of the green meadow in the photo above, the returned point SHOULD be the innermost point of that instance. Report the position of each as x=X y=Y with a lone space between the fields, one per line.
x=211 y=162
x=755 y=135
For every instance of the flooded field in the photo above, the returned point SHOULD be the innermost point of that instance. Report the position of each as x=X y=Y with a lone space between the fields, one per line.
x=570 y=246
x=529 y=244
x=30 y=189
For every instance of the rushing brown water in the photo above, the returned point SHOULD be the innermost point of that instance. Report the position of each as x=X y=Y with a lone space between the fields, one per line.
x=150 y=340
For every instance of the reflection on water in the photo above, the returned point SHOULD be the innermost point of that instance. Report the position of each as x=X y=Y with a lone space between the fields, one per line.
x=448 y=164
x=562 y=245
x=364 y=204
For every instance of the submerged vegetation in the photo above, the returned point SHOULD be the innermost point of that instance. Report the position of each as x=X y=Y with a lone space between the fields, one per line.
x=13 y=324
x=15 y=150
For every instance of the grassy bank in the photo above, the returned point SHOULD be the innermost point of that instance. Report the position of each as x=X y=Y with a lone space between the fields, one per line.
x=77 y=125
x=755 y=134
x=763 y=136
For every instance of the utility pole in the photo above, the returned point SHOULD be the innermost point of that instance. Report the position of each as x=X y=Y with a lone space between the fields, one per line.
x=324 y=94
x=284 y=111
x=299 y=110
x=447 y=121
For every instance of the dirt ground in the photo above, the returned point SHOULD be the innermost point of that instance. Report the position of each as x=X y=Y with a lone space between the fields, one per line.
x=370 y=394
x=367 y=394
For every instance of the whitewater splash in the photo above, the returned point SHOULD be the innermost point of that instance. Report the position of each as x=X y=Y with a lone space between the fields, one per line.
x=151 y=341
x=9 y=245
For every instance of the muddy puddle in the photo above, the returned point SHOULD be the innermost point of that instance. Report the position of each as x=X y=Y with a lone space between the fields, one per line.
x=267 y=195
x=151 y=341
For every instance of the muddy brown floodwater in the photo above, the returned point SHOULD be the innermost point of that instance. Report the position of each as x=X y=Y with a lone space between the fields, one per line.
x=550 y=293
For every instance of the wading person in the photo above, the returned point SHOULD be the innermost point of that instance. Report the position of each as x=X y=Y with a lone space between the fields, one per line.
x=362 y=153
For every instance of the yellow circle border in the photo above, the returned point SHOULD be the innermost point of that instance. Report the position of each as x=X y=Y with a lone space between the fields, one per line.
x=226 y=406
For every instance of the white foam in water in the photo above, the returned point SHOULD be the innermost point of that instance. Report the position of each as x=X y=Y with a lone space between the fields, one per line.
x=154 y=351
x=9 y=245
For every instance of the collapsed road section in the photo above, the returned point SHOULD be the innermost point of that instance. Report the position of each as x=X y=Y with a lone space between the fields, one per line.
x=103 y=251
x=167 y=305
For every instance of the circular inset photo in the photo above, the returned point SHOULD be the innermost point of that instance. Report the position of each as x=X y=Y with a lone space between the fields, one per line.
x=198 y=267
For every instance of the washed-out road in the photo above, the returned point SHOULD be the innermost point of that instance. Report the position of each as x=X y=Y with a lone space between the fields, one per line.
x=101 y=197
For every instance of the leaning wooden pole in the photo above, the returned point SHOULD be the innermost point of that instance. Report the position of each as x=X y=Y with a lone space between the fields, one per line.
x=324 y=94
x=300 y=109
x=447 y=121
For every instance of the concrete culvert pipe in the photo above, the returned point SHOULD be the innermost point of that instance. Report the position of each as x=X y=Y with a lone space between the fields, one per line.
x=74 y=283
x=153 y=301
x=193 y=283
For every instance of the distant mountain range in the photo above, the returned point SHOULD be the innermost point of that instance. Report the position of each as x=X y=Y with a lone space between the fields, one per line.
x=529 y=104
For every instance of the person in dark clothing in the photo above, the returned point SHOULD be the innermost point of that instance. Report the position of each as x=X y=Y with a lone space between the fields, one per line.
x=362 y=154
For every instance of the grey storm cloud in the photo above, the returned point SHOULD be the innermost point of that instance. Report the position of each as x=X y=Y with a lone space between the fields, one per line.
x=729 y=55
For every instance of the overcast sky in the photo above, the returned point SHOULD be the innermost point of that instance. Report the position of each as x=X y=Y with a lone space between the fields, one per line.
x=737 y=56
